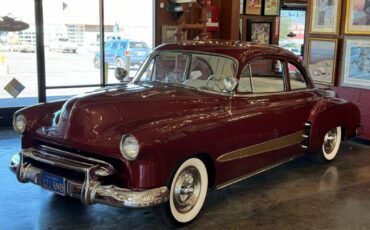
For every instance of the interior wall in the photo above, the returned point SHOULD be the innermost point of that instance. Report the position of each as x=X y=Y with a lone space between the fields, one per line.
x=229 y=20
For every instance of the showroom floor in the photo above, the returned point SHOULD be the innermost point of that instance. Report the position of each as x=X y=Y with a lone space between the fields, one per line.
x=298 y=195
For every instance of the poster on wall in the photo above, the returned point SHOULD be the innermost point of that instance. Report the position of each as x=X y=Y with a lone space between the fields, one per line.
x=322 y=56
x=356 y=62
x=271 y=7
x=325 y=16
x=259 y=31
x=253 y=7
x=358 y=17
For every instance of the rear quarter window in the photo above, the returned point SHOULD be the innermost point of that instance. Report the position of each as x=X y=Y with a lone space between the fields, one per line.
x=137 y=45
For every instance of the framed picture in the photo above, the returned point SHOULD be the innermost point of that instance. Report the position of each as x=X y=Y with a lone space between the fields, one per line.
x=321 y=59
x=168 y=33
x=260 y=31
x=356 y=62
x=271 y=7
x=253 y=7
x=358 y=17
x=325 y=16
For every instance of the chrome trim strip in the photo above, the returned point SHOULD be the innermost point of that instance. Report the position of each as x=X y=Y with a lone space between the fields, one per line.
x=272 y=93
x=267 y=146
x=233 y=181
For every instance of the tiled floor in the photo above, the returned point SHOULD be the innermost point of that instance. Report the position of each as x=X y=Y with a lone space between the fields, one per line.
x=298 y=195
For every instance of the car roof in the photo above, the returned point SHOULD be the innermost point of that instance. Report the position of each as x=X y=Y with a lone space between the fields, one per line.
x=240 y=50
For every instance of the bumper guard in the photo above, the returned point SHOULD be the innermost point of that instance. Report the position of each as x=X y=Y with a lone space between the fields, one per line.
x=92 y=190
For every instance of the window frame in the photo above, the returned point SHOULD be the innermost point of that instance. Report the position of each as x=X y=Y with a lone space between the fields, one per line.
x=285 y=71
x=302 y=70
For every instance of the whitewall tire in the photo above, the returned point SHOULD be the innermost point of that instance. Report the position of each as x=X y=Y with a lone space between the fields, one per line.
x=188 y=189
x=330 y=145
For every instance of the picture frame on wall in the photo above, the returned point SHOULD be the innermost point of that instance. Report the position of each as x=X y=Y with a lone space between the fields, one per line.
x=260 y=31
x=253 y=7
x=321 y=59
x=271 y=8
x=356 y=62
x=168 y=33
x=325 y=16
x=358 y=17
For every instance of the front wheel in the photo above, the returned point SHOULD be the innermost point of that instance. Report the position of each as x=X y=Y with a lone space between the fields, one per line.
x=188 y=190
x=330 y=146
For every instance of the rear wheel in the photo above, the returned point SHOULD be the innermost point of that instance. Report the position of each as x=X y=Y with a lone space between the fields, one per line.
x=330 y=146
x=188 y=190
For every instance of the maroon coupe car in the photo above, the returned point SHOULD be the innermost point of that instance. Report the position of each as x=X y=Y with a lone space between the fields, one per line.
x=198 y=115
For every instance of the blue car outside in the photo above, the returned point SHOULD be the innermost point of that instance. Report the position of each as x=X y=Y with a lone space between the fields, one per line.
x=117 y=50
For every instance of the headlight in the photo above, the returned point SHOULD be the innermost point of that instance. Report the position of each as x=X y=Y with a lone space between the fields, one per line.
x=129 y=147
x=19 y=123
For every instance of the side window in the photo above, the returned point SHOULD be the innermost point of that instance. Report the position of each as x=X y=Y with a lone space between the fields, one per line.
x=267 y=75
x=137 y=45
x=200 y=69
x=123 y=45
x=114 y=45
x=147 y=75
x=297 y=80
x=107 y=45
x=245 y=85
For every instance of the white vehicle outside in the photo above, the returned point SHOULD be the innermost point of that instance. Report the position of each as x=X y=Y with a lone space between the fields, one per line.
x=63 y=45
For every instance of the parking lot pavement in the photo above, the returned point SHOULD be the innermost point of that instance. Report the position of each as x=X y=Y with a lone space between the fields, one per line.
x=61 y=69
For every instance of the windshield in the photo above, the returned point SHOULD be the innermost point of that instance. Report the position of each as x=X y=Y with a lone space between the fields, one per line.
x=201 y=71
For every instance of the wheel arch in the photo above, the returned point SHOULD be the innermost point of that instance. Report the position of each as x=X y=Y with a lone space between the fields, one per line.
x=206 y=159
x=331 y=113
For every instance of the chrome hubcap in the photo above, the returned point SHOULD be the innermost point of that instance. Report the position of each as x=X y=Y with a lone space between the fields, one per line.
x=187 y=189
x=330 y=140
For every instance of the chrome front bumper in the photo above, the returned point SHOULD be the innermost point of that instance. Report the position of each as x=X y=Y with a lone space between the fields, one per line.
x=90 y=191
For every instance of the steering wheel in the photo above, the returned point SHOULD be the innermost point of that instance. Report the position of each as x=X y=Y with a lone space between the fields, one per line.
x=216 y=82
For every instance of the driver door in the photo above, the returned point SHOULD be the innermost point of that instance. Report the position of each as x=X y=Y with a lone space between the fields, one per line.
x=268 y=127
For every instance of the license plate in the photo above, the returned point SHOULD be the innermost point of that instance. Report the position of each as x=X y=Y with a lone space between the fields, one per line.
x=53 y=183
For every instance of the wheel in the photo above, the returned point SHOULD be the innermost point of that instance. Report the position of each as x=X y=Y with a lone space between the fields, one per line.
x=96 y=63
x=330 y=146
x=188 y=190
x=119 y=63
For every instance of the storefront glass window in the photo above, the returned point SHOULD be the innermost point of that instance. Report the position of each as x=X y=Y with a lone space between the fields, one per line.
x=128 y=35
x=18 y=75
x=292 y=27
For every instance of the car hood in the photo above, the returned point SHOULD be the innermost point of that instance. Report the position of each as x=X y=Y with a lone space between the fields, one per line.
x=99 y=117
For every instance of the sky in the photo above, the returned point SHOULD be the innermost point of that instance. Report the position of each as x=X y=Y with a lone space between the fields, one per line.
x=138 y=12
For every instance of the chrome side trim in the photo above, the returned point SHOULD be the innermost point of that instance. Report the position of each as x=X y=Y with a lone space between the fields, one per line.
x=267 y=146
x=233 y=181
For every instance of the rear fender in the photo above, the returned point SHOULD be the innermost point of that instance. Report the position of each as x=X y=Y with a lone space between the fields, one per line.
x=328 y=114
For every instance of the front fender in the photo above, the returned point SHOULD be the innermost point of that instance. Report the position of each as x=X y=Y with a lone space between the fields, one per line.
x=330 y=113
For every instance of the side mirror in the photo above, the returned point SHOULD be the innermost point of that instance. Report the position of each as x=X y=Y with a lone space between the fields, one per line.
x=120 y=74
x=230 y=83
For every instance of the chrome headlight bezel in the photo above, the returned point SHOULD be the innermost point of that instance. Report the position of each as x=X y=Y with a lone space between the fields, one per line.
x=19 y=123
x=129 y=147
